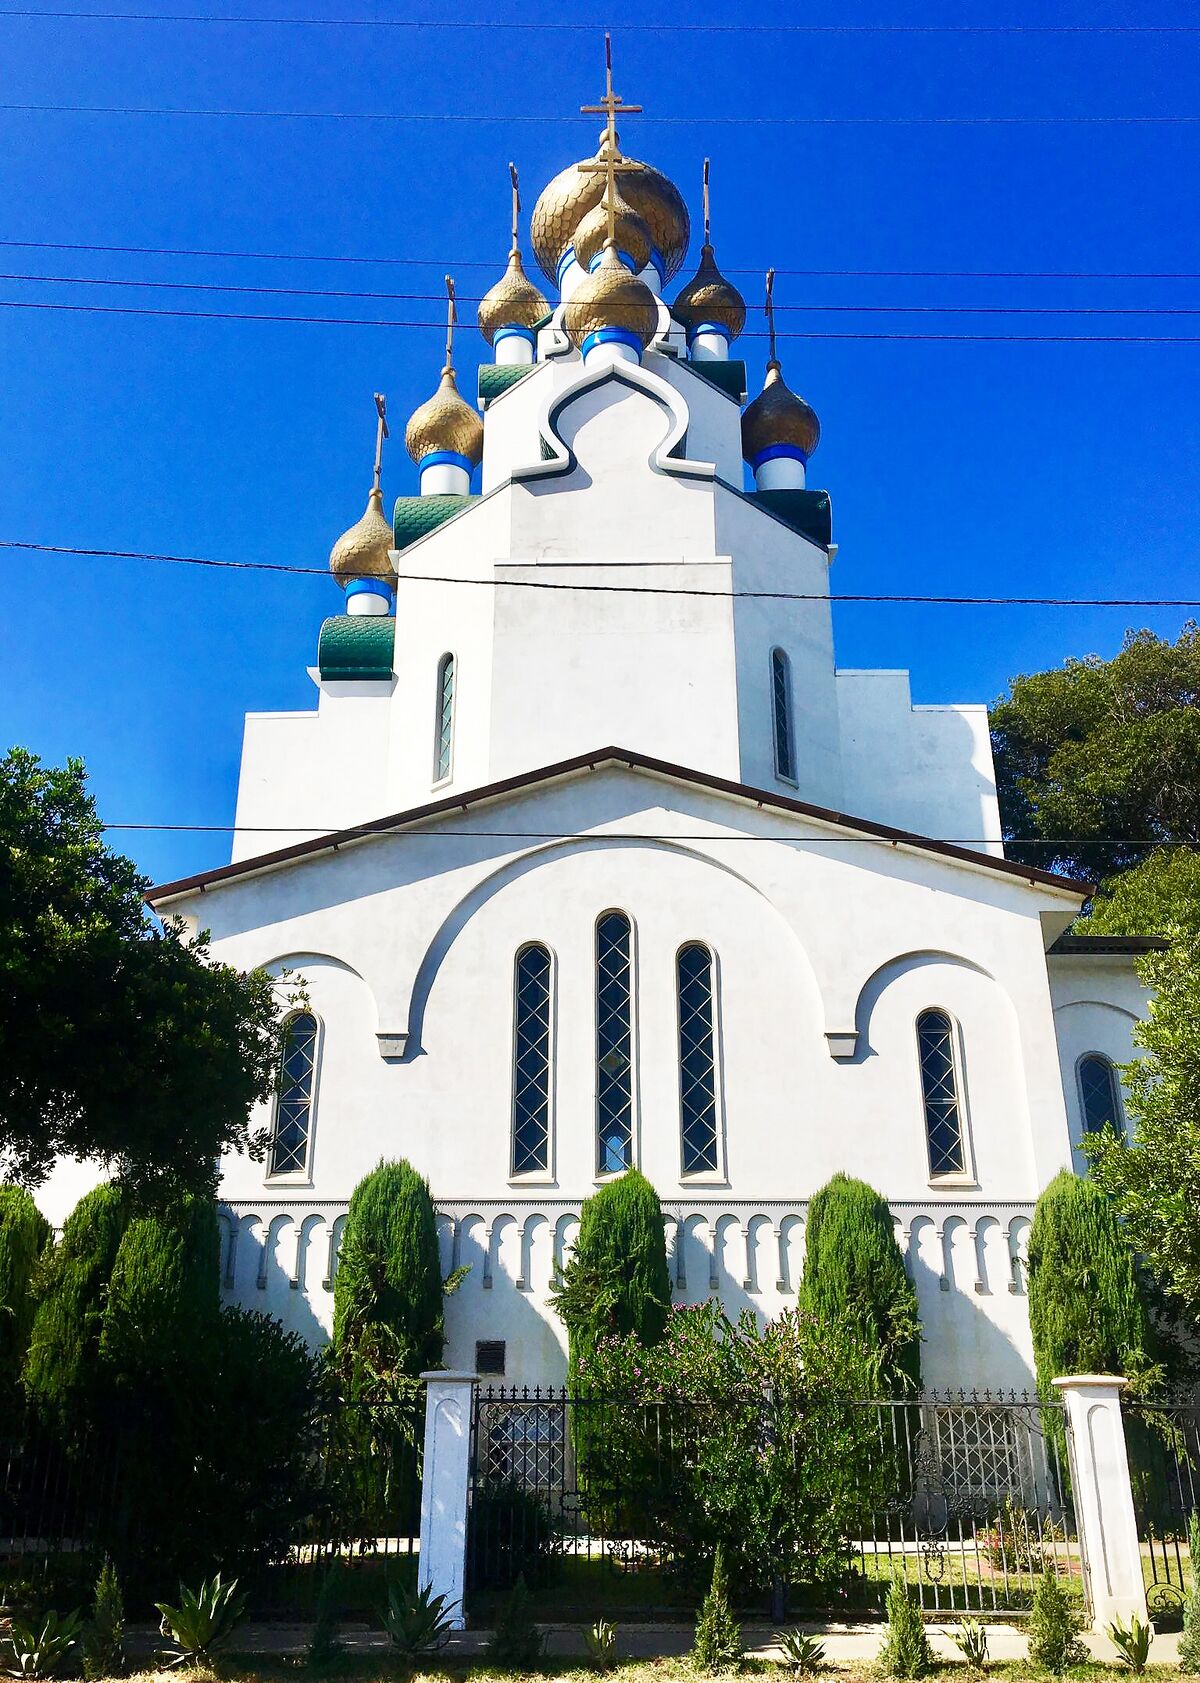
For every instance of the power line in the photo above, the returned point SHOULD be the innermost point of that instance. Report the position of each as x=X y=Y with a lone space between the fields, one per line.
x=478 y=24
x=623 y=589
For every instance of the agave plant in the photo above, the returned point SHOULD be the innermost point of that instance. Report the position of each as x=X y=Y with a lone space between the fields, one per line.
x=971 y=1638
x=38 y=1648
x=1132 y=1642
x=417 y=1622
x=601 y=1644
x=802 y=1652
x=203 y=1620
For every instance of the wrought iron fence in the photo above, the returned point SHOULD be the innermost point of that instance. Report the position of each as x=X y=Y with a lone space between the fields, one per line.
x=603 y=1502
x=1164 y=1462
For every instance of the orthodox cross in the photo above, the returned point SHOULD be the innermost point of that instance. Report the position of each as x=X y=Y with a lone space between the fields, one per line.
x=707 y=241
x=770 y=309
x=612 y=160
x=381 y=432
x=451 y=319
x=516 y=204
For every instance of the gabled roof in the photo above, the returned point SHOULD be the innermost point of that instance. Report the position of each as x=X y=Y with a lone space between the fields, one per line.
x=459 y=803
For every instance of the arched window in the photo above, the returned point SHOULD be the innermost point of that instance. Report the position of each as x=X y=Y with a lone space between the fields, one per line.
x=781 y=710
x=614 y=1043
x=294 y=1101
x=697 y=1059
x=444 y=735
x=939 y=1084
x=1098 y=1093
x=531 y=1062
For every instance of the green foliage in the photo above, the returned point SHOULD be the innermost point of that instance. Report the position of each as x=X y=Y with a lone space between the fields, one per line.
x=1054 y=1628
x=325 y=1646
x=120 y=1040
x=802 y=1653
x=906 y=1651
x=600 y=1642
x=510 y=1535
x=162 y=1304
x=64 y=1346
x=617 y=1281
x=516 y=1642
x=718 y=1644
x=853 y=1268
x=104 y=1635
x=24 y=1235
x=1087 y=1309
x=388 y=1322
x=204 y=1619
x=1097 y=750
x=1189 y=1640
x=39 y=1647
x=971 y=1639
x=418 y=1623
x=1132 y=1642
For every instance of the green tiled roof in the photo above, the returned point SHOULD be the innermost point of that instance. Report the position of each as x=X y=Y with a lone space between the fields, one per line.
x=414 y=516
x=357 y=647
x=728 y=377
x=806 y=512
x=495 y=378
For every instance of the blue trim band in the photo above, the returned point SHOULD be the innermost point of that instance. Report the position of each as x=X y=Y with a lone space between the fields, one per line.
x=623 y=255
x=441 y=458
x=564 y=263
x=710 y=327
x=369 y=587
x=660 y=267
x=611 y=336
x=774 y=451
x=525 y=333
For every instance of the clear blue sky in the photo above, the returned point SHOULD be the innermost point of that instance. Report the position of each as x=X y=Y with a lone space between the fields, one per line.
x=996 y=468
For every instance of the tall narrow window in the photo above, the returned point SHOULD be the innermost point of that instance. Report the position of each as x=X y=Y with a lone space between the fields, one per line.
x=444 y=743
x=939 y=1081
x=293 y=1104
x=781 y=706
x=1098 y=1093
x=697 y=1059
x=614 y=1044
x=531 y=1063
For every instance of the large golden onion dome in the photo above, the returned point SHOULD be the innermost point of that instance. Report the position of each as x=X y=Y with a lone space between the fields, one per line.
x=445 y=422
x=611 y=297
x=364 y=552
x=630 y=230
x=573 y=192
x=777 y=416
x=514 y=301
x=708 y=296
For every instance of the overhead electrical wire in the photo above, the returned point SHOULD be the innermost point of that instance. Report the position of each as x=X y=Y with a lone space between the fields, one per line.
x=556 y=27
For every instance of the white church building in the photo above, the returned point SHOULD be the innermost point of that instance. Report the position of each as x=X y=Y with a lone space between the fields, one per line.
x=620 y=867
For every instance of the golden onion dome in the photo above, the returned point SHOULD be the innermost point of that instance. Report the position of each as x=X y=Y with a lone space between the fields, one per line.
x=514 y=301
x=445 y=422
x=573 y=192
x=364 y=552
x=708 y=296
x=630 y=232
x=611 y=297
x=778 y=416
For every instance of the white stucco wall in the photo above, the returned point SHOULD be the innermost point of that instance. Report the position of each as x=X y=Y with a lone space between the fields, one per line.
x=1098 y=1001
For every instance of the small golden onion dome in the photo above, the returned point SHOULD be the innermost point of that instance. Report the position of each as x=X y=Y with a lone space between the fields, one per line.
x=445 y=422
x=364 y=552
x=708 y=296
x=573 y=192
x=514 y=301
x=778 y=416
x=611 y=297
x=631 y=233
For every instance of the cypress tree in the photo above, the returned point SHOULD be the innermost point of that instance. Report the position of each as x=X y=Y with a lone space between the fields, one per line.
x=163 y=1300
x=1087 y=1308
x=24 y=1235
x=60 y=1368
x=853 y=1265
x=617 y=1281
x=388 y=1294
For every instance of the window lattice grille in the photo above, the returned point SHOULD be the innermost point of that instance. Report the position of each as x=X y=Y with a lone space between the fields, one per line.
x=445 y=722
x=943 y=1125
x=531 y=1063
x=614 y=1044
x=293 y=1106
x=979 y=1453
x=522 y=1443
x=1099 y=1092
x=781 y=701
x=697 y=1063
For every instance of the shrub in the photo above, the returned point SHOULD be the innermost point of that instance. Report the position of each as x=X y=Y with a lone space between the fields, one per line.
x=617 y=1281
x=511 y=1535
x=325 y=1647
x=417 y=1622
x=1132 y=1642
x=718 y=1644
x=64 y=1344
x=905 y=1651
x=801 y=1652
x=40 y=1646
x=204 y=1619
x=516 y=1641
x=853 y=1266
x=24 y=1235
x=104 y=1635
x=1189 y=1641
x=1054 y=1628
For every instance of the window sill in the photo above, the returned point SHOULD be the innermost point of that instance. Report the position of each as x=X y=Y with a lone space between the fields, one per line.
x=960 y=1183
x=705 y=1177
x=537 y=1179
x=303 y=1181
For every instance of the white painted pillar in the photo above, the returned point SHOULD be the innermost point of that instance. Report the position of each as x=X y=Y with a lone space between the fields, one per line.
x=1103 y=1496
x=444 y=1485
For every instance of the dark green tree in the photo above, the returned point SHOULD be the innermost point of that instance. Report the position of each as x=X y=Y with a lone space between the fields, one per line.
x=61 y=1367
x=120 y=1040
x=160 y=1314
x=24 y=1235
x=1101 y=755
x=853 y=1268
x=617 y=1280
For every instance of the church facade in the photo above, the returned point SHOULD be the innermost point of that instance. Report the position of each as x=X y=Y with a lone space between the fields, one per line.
x=620 y=868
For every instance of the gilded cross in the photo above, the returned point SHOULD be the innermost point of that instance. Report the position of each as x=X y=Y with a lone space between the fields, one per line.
x=707 y=241
x=516 y=204
x=451 y=319
x=612 y=160
x=770 y=309
x=381 y=432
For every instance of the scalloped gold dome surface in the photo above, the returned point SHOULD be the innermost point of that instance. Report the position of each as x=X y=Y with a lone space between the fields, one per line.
x=445 y=422
x=364 y=551
x=708 y=296
x=611 y=297
x=572 y=193
x=630 y=231
x=778 y=416
x=514 y=301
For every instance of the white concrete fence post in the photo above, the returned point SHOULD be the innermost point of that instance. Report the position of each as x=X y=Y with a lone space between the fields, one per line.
x=444 y=1485
x=1104 y=1497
